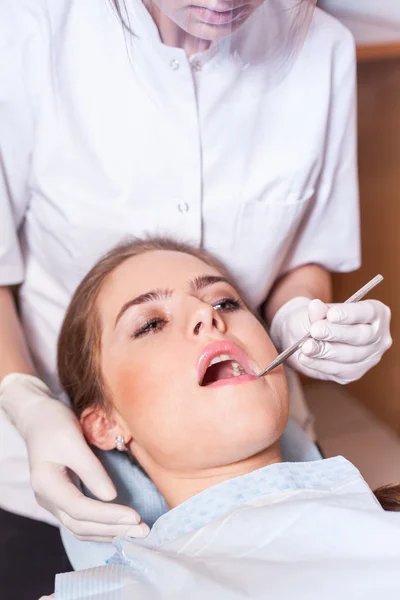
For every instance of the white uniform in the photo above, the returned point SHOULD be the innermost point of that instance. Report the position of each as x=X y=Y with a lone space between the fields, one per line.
x=104 y=136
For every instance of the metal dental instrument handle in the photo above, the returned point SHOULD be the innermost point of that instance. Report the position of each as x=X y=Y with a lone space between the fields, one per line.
x=292 y=349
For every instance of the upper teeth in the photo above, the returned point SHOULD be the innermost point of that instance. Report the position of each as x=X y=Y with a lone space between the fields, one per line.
x=236 y=367
x=220 y=358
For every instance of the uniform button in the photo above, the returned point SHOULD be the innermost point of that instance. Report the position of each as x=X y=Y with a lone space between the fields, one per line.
x=183 y=207
x=174 y=64
x=196 y=66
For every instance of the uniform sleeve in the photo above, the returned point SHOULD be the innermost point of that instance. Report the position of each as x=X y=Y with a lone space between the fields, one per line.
x=20 y=60
x=330 y=233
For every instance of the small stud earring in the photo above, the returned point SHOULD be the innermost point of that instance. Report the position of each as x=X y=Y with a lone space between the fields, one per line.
x=120 y=443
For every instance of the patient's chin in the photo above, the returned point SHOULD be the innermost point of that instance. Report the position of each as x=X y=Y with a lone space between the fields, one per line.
x=258 y=397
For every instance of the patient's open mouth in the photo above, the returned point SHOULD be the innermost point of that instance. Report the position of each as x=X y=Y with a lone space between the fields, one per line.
x=222 y=367
x=223 y=363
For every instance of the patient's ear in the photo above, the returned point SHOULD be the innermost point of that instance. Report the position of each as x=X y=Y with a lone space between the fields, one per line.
x=101 y=429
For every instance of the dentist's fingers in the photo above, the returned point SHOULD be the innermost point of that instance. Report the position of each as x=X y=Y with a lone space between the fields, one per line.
x=340 y=353
x=100 y=532
x=366 y=311
x=92 y=473
x=335 y=371
x=70 y=501
x=80 y=508
x=318 y=370
x=346 y=339
x=51 y=481
x=354 y=335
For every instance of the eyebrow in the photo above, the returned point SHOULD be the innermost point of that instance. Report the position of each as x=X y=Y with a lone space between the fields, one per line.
x=199 y=283
x=196 y=284
x=152 y=296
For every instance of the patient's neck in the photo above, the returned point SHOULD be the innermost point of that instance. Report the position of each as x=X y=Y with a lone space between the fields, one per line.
x=177 y=487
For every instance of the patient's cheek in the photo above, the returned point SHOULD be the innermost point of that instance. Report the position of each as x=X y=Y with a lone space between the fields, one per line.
x=262 y=345
x=124 y=383
x=134 y=389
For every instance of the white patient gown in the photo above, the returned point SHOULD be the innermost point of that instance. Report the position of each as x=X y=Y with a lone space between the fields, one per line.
x=311 y=531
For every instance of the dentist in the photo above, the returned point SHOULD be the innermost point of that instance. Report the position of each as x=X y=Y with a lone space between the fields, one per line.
x=227 y=123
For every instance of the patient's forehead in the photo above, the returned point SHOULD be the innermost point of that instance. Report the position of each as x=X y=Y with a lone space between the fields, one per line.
x=164 y=269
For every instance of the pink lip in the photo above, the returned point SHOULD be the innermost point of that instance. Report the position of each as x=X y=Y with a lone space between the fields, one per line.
x=216 y=349
x=217 y=17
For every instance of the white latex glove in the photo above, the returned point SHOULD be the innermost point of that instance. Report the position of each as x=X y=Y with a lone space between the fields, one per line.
x=347 y=339
x=56 y=445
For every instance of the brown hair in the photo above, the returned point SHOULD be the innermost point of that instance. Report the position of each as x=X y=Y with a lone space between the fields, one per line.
x=123 y=15
x=79 y=345
x=388 y=497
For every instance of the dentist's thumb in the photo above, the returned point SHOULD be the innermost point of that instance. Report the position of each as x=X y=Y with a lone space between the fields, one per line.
x=317 y=310
x=93 y=475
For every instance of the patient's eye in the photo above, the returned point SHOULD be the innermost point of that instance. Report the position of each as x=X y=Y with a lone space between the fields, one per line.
x=227 y=305
x=151 y=326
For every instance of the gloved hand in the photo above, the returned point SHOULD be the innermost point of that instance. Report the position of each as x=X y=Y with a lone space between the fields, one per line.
x=56 y=445
x=347 y=339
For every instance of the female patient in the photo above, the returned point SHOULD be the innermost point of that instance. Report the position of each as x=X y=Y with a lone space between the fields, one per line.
x=158 y=354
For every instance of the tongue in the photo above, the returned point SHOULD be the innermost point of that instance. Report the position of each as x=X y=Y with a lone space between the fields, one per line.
x=221 y=370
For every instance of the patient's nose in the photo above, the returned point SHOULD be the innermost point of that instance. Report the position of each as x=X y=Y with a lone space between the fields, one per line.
x=206 y=320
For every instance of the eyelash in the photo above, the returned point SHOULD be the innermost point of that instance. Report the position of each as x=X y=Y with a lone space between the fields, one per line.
x=148 y=329
x=157 y=323
x=235 y=305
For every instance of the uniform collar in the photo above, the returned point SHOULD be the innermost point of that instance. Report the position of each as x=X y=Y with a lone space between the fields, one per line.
x=147 y=35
